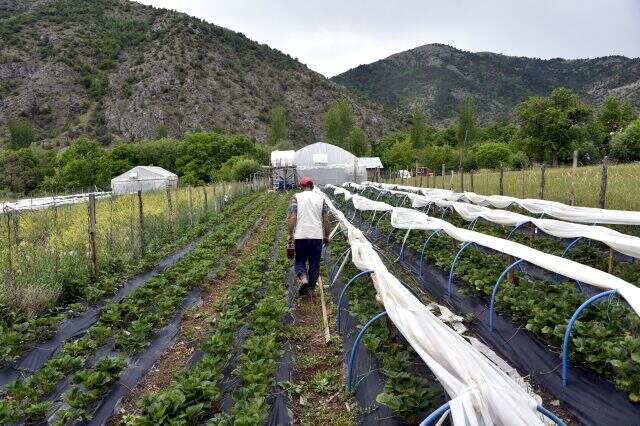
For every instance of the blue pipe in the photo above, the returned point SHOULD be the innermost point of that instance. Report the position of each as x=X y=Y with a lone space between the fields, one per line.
x=404 y=241
x=564 y=253
x=515 y=229
x=453 y=266
x=378 y=221
x=438 y=413
x=444 y=211
x=335 y=265
x=424 y=249
x=344 y=291
x=472 y=224
x=354 y=349
x=567 y=333
x=495 y=291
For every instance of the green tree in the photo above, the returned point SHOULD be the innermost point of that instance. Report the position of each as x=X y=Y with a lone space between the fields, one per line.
x=492 y=155
x=554 y=122
x=466 y=122
x=277 y=130
x=418 y=133
x=358 y=142
x=162 y=132
x=436 y=156
x=338 y=123
x=83 y=165
x=615 y=115
x=400 y=155
x=21 y=133
x=21 y=172
x=625 y=145
x=237 y=168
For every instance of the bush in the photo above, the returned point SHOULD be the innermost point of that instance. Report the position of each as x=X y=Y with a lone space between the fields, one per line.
x=625 y=145
x=436 y=156
x=21 y=133
x=492 y=155
x=519 y=160
x=237 y=168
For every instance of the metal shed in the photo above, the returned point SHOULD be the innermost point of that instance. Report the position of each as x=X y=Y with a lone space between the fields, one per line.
x=329 y=164
x=373 y=166
x=145 y=179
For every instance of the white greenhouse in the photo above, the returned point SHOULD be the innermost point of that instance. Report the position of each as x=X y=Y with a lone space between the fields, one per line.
x=329 y=164
x=145 y=179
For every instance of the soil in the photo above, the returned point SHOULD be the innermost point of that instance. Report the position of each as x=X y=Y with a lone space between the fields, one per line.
x=194 y=329
x=318 y=393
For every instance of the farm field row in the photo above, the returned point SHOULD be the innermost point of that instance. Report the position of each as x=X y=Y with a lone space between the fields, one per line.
x=124 y=330
x=606 y=338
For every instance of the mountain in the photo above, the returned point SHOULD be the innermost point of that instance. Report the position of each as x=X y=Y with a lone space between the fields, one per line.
x=115 y=69
x=440 y=76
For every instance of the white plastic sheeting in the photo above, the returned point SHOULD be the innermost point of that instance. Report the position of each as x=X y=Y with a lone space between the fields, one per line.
x=283 y=158
x=555 y=209
x=46 y=202
x=481 y=393
x=145 y=179
x=623 y=243
x=410 y=219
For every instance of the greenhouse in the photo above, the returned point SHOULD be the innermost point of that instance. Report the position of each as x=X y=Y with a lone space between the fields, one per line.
x=329 y=164
x=145 y=179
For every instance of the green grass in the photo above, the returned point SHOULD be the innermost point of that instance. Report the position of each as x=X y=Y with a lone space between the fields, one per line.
x=623 y=187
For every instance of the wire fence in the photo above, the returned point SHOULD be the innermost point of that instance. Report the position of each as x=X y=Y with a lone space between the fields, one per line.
x=621 y=190
x=54 y=250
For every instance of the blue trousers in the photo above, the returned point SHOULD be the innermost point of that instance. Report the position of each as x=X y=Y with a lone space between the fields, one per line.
x=308 y=252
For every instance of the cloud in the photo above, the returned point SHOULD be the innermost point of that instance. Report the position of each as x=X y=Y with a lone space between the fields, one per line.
x=334 y=35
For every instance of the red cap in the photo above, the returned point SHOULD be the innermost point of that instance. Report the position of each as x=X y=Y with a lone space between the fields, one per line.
x=305 y=182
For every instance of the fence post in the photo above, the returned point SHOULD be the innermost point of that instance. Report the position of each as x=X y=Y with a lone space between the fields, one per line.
x=170 y=208
x=141 y=223
x=486 y=182
x=574 y=171
x=451 y=181
x=9 y=254
x=416 y=181
x=190 y=205
x=434 y=179
x=443 y=171
x=461 y=178
x=16 y=227
x=473 y=187
x=501 y=180
x=522 y=191
x=603 y=182
x=542 y=181
x=421 y=180
x=206 y=201
x=110 y=241
x=93 y=259
x=56 y=264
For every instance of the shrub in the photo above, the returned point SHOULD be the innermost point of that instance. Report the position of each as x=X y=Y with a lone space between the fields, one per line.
x=492 y=155
x=21 y=133
x=625 y=145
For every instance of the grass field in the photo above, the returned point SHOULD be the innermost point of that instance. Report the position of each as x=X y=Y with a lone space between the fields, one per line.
x=623 y=187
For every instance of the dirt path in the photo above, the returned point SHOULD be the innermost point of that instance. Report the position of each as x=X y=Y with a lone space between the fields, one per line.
x=317 y=393
x=195 y=327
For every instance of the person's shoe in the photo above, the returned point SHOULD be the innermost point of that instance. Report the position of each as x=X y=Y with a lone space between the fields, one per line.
x=304 y=289
x=303 y=278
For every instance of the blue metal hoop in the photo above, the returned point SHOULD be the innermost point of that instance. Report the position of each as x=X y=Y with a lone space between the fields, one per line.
x=567 y=333
x=354 y=349
x=342 y=294
x=495 y=291
x=335 y=265
x=515 y=229
x=453 y=266
x=424 y=249
x=439 y=412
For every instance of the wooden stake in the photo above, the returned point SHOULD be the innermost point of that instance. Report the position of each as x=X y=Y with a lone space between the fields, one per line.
x=486 y=182
x=603 y=183
x=610 y=260
x=325 y=317
x=542 y=181
x=451 y=181
x=93 y=257
x=574 y=171
x=190 y=206
x=473 y=187
x=434 y=179
x=141 y=223
x=170 y=208
x=206 y=201
x=501 y=180
x=443 y=171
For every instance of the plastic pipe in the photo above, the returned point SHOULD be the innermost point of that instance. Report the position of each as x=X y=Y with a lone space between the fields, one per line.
x=472 y=224
x=333 y=275
x=495 y=291
x=564 y=253
x=404 y=241
x=453 y=266
x=424 y=249
x=567 y=333
x=378 y=221
x=354 y=349
x=440 y=411
x=515 y=229
x=342 y=294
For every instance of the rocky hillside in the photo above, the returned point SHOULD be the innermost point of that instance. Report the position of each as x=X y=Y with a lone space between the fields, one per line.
x=439 y=76
x=115 y=69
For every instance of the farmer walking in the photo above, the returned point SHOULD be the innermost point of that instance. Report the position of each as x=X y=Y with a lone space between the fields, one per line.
x=308 y=230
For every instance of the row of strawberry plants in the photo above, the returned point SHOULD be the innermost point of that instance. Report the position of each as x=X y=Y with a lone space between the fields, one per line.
x=406 y=393
x=18 y=330
x=131 y=322
x=195 y=393
x=606 y=338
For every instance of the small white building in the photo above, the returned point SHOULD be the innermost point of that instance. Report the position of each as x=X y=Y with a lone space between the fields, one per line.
x=329 y=164
x=145 y=179
x=373 y=166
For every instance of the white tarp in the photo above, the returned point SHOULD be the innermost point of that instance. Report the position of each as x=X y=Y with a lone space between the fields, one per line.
x=283 y=158
x=555 y=209
x=46 y=202
x=481 y=393
x=406 y=218
x=623 y=243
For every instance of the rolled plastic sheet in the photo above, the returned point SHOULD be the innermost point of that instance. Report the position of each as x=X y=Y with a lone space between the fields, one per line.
x=481 y=393
x=623 y=243
x=410 y=219
x=590 y=215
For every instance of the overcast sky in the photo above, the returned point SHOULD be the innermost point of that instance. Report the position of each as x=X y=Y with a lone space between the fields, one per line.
x=332 y=36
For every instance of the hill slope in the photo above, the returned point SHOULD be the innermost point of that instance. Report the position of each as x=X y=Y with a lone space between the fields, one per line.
x=440 y=76
x=115 y=69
